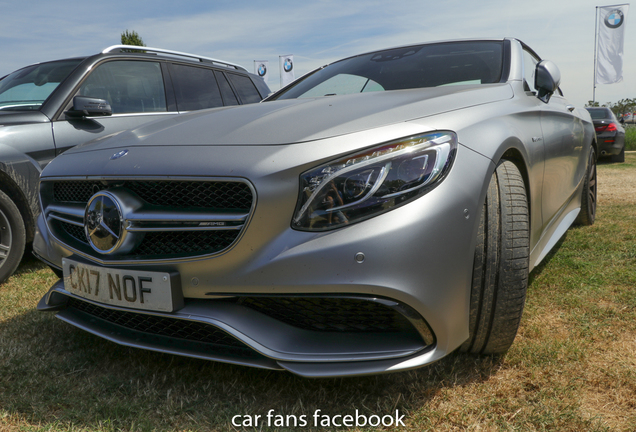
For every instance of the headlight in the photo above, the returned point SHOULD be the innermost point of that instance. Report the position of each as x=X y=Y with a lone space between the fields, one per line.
x=373 y=181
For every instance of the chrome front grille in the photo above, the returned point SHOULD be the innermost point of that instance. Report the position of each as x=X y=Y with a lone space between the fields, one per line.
x=175 y=194
x=172 y=218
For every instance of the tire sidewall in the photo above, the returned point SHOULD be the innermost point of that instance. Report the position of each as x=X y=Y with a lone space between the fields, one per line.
x=18 y=236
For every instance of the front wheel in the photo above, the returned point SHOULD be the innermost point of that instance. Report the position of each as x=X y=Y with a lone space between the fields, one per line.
x=500 y=269
x=12 y=237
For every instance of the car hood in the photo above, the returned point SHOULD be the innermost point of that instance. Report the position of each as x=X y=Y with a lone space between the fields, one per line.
x=302 y=120
x=21 y=117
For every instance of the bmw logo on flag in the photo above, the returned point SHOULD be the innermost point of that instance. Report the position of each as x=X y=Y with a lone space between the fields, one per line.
x=262 y=70
x=288 y=65
x=615 y=19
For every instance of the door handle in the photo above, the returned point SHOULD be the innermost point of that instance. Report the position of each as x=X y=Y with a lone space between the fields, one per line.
x=570 y=108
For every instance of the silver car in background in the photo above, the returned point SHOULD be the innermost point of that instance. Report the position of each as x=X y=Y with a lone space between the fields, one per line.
x=373 y=216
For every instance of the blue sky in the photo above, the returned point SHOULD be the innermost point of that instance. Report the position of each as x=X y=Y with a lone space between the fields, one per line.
x=315 y=32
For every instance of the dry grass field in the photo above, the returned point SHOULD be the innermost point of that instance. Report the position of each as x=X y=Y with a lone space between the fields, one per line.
x=571 y=368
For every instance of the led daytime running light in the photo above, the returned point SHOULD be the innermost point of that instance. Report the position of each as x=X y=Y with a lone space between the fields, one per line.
x=370 y=176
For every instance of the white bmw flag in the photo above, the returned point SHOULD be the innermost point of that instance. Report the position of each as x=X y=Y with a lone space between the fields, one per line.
x=611 y=34
x=261 y=68
x=286 y=69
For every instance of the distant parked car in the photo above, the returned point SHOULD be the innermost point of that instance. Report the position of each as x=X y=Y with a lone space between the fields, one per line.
x=627 y=118
x=609 y=133
x=50 y=107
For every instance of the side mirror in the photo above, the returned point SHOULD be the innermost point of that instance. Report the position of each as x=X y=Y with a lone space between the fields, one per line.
x=84 y=106
x=547 y=78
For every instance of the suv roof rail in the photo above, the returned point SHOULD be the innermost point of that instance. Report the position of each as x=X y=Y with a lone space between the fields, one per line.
x=120 y=48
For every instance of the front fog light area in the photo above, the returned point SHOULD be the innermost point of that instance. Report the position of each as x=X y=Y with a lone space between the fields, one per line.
x=373 y=181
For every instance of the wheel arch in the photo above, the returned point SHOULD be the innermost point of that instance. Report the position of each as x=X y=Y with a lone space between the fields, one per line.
x=513 y=154
x=13 y=191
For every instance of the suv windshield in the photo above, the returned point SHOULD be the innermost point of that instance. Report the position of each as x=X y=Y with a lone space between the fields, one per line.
x=26 y=89
x=411 y=67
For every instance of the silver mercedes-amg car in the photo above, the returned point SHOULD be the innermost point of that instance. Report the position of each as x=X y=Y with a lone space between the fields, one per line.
x=373 y=216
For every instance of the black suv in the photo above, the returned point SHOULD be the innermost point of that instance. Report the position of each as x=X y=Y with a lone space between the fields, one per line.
x=49 y=107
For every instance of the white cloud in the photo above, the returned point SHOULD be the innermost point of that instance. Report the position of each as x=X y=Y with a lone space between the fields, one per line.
x=315 y=32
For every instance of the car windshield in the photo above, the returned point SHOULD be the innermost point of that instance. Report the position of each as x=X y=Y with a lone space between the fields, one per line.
x=27 y=89
x=431 y=65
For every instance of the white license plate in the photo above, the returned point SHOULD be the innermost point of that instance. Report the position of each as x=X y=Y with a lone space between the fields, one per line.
x=128 y=288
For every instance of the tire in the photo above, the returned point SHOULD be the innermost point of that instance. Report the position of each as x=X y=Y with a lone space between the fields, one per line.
x=12 y=237
x=619 y=157
x=500 y=269
x=587 y=215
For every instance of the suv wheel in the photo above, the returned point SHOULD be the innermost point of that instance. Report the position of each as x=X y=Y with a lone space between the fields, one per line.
x=12 y=237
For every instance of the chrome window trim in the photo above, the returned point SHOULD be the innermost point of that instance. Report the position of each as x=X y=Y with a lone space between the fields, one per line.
x=133 y=114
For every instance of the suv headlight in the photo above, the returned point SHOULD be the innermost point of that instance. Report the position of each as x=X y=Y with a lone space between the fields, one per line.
x=372 y=181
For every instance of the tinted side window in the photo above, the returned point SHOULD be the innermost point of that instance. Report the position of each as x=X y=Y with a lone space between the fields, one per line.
x=226 y=89
x=245 y=88
x=129 y=86
x=195 y=88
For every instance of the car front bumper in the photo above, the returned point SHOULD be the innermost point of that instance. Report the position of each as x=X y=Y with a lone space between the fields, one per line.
x=418 y=261
x=610 y=144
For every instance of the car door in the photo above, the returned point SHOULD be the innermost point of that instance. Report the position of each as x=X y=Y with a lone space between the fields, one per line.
x=136 y=91
x=563 y=133
x=563 y=137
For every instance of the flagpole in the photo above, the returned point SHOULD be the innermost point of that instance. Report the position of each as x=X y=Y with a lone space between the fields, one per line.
x=595 y=51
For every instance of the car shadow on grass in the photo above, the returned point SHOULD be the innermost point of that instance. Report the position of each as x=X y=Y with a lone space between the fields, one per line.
x=29 y=264
x=546 y=260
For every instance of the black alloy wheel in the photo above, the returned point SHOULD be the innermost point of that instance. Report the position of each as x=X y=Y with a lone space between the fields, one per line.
x=588 y=198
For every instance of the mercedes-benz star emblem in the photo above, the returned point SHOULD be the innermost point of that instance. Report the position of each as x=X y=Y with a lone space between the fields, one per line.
x=103 y=222
x=119 y=154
